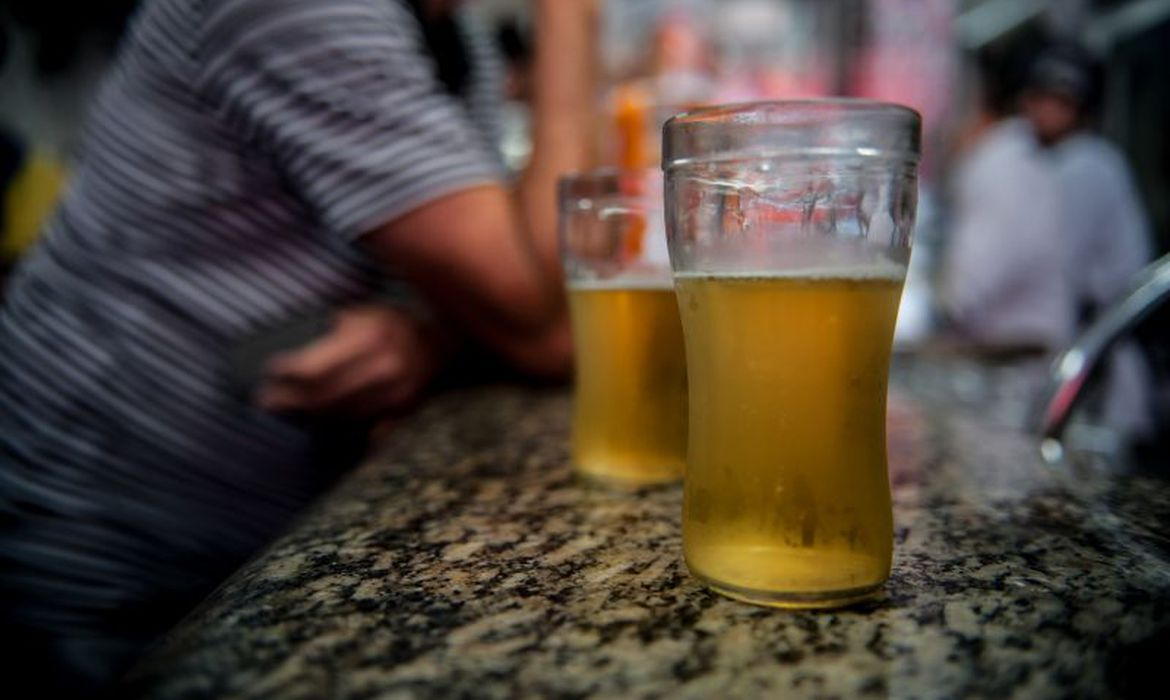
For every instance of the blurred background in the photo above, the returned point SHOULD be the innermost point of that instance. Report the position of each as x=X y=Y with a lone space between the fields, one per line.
x=660 y=56
x=964 y=64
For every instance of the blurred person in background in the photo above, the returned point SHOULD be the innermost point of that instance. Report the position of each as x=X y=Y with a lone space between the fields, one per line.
x=248 y=165
x=1003 y=283
x=1106 y=235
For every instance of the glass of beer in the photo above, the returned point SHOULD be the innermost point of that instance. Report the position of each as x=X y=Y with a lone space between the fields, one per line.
x=789 y=229
x=630 y=398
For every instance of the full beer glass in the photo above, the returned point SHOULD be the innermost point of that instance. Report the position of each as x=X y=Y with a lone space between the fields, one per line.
x=789 y=229
x=630 y=397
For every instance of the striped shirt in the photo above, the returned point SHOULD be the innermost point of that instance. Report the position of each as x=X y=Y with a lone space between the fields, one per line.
x=232 y=159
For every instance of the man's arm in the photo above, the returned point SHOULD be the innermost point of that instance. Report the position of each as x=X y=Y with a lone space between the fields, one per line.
x=564 y=84
x=490 y=260
x=467 y=254
x=486 y=258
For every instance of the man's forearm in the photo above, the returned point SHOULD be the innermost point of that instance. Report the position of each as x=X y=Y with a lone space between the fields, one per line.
x=563 y=104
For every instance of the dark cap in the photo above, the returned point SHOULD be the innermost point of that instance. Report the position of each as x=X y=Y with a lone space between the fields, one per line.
x=1064 y=71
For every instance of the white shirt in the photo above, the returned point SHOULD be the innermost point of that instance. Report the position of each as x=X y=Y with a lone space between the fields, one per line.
x=1108 y=243
x=1108 y=235
x=1004 y=278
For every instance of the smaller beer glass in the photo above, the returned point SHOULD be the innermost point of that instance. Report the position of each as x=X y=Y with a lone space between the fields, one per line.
x=630 y=398
x=789 y=227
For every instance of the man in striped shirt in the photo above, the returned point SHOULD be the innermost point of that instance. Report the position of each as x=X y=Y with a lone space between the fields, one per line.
x=248 y=163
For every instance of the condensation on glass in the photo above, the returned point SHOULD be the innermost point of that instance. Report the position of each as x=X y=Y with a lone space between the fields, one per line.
x=789 y=227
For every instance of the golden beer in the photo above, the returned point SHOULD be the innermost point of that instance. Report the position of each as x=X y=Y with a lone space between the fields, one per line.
x=630 y=404
x=787 y=499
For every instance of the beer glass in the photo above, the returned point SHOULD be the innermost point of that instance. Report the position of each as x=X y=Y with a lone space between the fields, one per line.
x=789 y=229
x=630 y=401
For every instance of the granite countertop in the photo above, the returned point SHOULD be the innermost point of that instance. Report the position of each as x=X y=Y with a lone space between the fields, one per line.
x=464 y=560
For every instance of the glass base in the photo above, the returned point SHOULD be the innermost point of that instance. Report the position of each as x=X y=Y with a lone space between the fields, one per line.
x=627 y=480
x=795 y=600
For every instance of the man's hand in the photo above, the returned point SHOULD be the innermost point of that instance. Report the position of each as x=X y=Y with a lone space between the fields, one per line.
x=376 y=360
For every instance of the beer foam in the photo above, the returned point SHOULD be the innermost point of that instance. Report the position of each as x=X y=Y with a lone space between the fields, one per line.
x=888 y=270
x=657 y=283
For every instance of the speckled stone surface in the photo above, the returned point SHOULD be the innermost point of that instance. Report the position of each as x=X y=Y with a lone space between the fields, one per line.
x=464 y=560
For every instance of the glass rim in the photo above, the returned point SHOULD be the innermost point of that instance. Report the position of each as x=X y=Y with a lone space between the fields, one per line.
x=684 y=142
x=606 y=180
